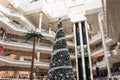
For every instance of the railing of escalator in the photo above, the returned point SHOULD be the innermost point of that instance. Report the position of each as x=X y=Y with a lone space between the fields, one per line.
x=13 y=13
x=4 y=18
x=21 y=28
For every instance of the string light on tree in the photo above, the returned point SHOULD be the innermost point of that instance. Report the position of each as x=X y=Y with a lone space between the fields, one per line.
x=60 y=65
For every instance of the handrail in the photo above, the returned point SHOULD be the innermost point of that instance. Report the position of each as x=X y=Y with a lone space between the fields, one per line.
x=10 y=12
x=100 y=64
x=25 y=45
x=97 y=51
x=95 y=37
x=25 y=63
x=15 y=14
x=6 y=21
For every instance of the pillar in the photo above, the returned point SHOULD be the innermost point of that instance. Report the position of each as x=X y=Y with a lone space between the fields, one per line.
x=82 y=52
x=38 y=41
x=38 y=56
x=104 y=44
x=50 y=29
x=40 y=21
x=89 y=52
x=76 y=55
x=17 y=74
x=3 y=37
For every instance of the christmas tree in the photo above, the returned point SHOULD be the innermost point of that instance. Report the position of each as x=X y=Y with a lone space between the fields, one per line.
x=60 y=65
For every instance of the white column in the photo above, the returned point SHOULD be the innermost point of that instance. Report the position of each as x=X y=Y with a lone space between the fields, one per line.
x=104 y=45
x=82 y=52
x=76 y=55
x=3 y=37
x=50 y=29
x=40 y=21
x=38 y=41
x=88 y=48
x=38 y=56
x=17 y=74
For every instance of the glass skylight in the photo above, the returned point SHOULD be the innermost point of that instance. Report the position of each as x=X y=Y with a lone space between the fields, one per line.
x=60 y=7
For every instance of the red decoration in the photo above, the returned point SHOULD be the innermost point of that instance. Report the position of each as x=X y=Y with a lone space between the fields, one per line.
x=1 y=50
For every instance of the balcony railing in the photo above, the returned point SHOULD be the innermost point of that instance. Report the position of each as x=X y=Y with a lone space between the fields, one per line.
x=100 y=64
x=100 y=50
x=96 y=49
x=20 y=28
x=23 y=63
x=7 y=21
x=26 y=42
x=12 y=13
x=95 y=52
x=25 y=45
x=95 y=38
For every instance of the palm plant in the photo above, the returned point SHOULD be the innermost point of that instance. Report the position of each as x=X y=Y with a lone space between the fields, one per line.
x=35 y=36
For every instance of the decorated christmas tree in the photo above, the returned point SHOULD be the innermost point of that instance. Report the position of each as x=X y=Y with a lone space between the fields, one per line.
x=60 y=65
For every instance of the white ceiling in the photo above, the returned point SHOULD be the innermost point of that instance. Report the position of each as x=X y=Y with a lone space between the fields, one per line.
x=4 y=2
x=57 y=8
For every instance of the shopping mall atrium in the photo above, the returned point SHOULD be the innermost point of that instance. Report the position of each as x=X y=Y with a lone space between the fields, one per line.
x=91 y=29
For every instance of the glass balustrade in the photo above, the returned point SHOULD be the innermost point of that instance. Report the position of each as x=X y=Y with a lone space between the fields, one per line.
x=95 y=37
x=18 y=26
x=97 y=49
x=21 y=27
x=8 y=60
